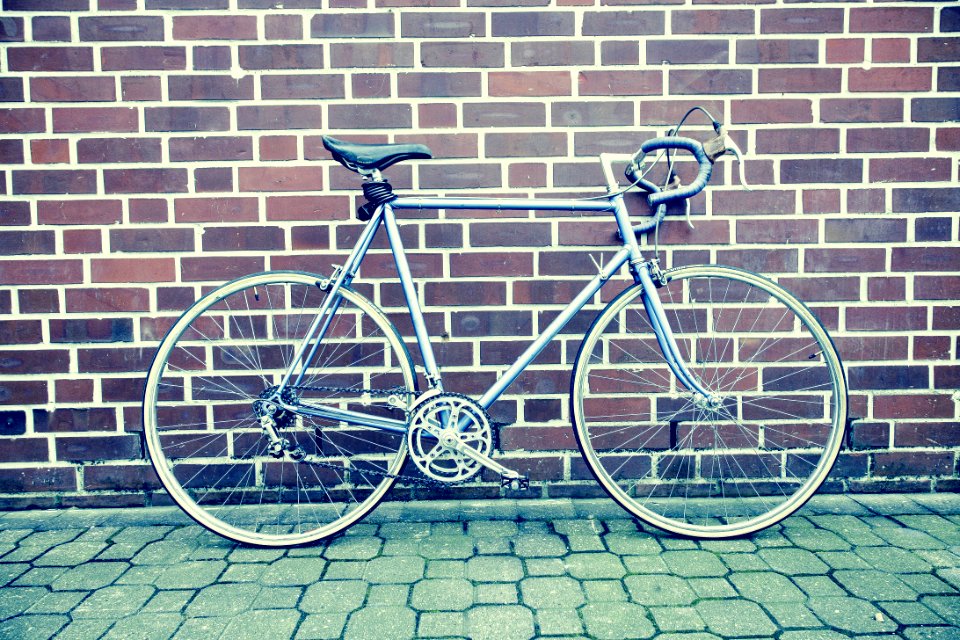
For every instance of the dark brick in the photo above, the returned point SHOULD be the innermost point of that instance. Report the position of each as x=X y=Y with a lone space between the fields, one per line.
x=208 y=87
x=617 y=53
x=50 y=58
x=32 y=479
x=504 y=114
x=926 y=259
x=891 y=19
x=51 y=28
x=902 y=463
x=549 y=52
x=771 y=111
x=11 y=89
x=865 y=230
x=438 y=84
x=54 y=181
x=74 y=420
x=935 y=109
x=107 y=150
x=442 y=25
x=150 y=240
x=714 y=81
x=26 y=242
x=373 y=54
x=13 y=423
x=281 y=56
x=219 y=27
x=101 y=119
x=796 y=80
x=923 y=200
x=133 y=89
x=592 y=114
x=620 y=83
x=950 y=19
x=72 y=89
x=935 y=229
x=688 y=52
x=504 y=234
x=20 y=332
x=93 y=448
x=778 y=51
x=462 y=54
x=192 y=149
x=159 y=58
x=301 y=86
x=21 y=120
x=186 y=118
x=890 y=79
x=532 y=23
x=352 y=25
x=802 y=141
x=280 y=117
x=243 y=239
x=887 y=140
x=861 y=110
x=144 y=180
x=623 y=23
x=822 y=170
x=514 y=145
x=468 y=176
x=819 y=20
x=370 y=116
x=11 y=29
x=208 y=58
x=111 y=28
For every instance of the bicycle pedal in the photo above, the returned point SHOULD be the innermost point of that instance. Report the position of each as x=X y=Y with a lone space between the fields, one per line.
x=515 y=483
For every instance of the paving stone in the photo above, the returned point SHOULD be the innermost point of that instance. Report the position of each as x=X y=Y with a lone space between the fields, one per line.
x=446 y=569
x=260 y=624
x=114 y=602
x=947 y=607
x=40 y=576
x=816 y=539
x=510 y=622
x=694 y=564
x=58 y=602
x=678 y=544
x=408 y=547
x=322 y=626
x=894 y=560
x=492 y=546
x=578 y=543
x=10 y=536
x=494 y=569
x=558 y=622
x=632 y=544
x=70 y=554
x=353 y=548
x=845 y=559
x=447 y=547
x=438 y=624
x=792 y=615
x=294 y=571
x=191 y=575
x=334 y=596
x=645 y=564
x=169 y=601
x=148 y=626
x=278 y=598
x=659 y=590
x=404 y=530
x=389 y=569
x=337 y=570
x=821 y=586
x=202 y=628
x=551 y=593
x=940 y=557
x=616 y=620
x=382 y=623
x=743 y=562
x=492 y=529
x=223 y=599
x=909 y=538
x=712 y=587
x=254 y=554
x=495 y=593
x=850 y=614
x=16 y=600
x=43 y=540
x=931 y=633
x=144 y=574
x=577 y=526
x=84 y=629
x=243 y=572
x=538 y=546
x=443 y=594
x=766 y=586
x=586 y=566
x=545 y=566
x=741 y=545
x=677 y=619
x=443 y=529
x=926 y=584
x=888 y=504
x=851 y=529
x=910 y=613
x=874 y=585
x=389 y=594
x=163 y=552
x=32 y=627
x=734 y=618
x=817 y=634
x=604 y=591
x=793 y=562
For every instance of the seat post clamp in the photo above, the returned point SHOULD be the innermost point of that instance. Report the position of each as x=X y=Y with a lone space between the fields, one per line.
x=377 y=192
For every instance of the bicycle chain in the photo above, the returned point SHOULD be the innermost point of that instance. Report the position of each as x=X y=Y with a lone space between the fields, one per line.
x=422 y=481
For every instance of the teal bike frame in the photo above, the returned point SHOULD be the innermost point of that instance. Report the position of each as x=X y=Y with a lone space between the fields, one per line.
x=642 y=271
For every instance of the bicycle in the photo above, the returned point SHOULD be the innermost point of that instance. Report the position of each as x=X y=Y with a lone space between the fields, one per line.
x=706 y=400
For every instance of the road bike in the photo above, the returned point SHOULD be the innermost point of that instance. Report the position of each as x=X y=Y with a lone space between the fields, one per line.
x=707 y=400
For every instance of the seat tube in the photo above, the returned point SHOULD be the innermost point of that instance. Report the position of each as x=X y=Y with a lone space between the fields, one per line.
x=410 y=295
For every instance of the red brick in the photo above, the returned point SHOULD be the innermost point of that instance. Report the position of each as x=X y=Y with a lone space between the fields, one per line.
x=461 y=54
x=49 y=151
x=465 y=293
x=92 y=448
x=844 y=50
x=925 y=259
x=302 y=86
x=819 y=20
x=900 y=463
x=442 y=25
x=529 y=83
x=932 y=348
x=784 y=232
x=280 y=117
x=436 y=84
x=210 y=87
x=938 y=49
x=875 y=318
x=623 y=23
x=800 y=80
x=619 y=53
x=219 y=27
x=770 y=111
x=909 y=169
x=21 y=120
x=710 y=21
x=914 y=406
x=303 y=178
x=844 y=260
x=283 y=27
x=226 y=209
x=688 y=52
x=353 y=25
x=151 y=240
x=891 y=19
x=192 y=149
x=861 y=110
x=821 y=200
x=891 y=50
x=107 y=300
x=753 y=202
x=278 y=148
x=72 y=89
x=34 y=361
x=307 y=208
x=141 y=88
x=132 y=270
x=50 y=58
x=108 y=150
x=88 y=119
x=76 y=211
x=881 y=288
x=798 y=141
x=892 y=79
x=445 y=145
x=281 y=56
x=62 y=420
x=527 y=174
x=20 y=332
x=936 y=287
x=379 y=55
x=535 y=53
x=491 y=264
x=32 y=479
x=887 y=140
x=219 y=269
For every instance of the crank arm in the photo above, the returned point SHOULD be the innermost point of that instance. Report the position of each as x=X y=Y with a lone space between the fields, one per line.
x=488 y=462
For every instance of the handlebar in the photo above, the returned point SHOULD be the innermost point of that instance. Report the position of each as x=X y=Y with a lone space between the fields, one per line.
x=690 y=190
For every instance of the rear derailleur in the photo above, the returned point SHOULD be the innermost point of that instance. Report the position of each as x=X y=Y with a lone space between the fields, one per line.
x=273 y=419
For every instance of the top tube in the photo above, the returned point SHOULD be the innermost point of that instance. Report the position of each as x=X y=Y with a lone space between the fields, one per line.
x=505 y=204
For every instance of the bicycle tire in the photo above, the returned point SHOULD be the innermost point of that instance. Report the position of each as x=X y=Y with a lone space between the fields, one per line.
x=774 y=463
x=198 y=416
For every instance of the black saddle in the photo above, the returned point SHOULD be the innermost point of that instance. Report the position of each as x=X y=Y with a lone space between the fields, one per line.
x=365 y=158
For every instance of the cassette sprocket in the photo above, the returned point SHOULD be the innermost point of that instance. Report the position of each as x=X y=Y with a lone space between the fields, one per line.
x=440 y=428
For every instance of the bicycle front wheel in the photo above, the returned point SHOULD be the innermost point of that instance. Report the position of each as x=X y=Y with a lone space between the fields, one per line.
x=702 y=469
x=202 y=418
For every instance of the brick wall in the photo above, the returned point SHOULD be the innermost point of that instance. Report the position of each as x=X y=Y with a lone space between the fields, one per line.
x=152 y=147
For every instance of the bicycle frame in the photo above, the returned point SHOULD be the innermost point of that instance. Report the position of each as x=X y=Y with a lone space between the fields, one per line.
x=629 y=253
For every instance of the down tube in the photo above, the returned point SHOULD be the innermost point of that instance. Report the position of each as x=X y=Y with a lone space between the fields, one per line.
x=554 y=328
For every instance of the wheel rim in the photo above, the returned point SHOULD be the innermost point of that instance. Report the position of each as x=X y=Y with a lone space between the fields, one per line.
x=203 y=429
x=689 y=466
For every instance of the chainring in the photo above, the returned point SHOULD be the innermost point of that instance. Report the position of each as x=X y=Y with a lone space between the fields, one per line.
x=433 y=436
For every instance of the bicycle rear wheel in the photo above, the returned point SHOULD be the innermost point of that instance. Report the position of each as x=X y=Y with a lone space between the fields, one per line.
x=702 y=470
x=203 y=429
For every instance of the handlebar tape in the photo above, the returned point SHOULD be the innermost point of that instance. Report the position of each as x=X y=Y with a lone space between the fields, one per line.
x=695 y=187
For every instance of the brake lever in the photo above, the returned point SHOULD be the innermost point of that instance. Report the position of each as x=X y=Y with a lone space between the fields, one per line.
x=731 y=147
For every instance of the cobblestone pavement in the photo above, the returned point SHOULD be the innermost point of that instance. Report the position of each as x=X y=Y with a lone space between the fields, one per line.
x=860 y=567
